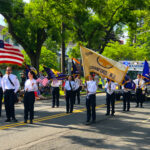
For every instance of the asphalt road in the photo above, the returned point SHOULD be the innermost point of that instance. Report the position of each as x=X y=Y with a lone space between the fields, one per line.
x=54 y=129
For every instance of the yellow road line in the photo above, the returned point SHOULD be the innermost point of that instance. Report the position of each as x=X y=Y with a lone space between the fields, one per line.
x=49 y=117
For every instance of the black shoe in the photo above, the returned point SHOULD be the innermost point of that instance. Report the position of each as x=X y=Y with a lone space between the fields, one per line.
x=71 y=112
x=137 y=106
x=93 y=121
x=31 y=122
x=128 y=110
x=124 y=110
x=112 y=114
x=107 y=114
x=25 y=121
x=88 y=123
x=53 y=106
x=67 y=112
x=7 y=120
x=14 y=120
x=57 y=106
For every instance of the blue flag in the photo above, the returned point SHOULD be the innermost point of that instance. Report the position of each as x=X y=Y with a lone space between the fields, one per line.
x=49 y=72
x=146 y=70
x=145 y=73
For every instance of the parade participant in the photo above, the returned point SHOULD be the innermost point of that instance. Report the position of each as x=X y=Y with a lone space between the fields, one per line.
x=91 y=99
x=10 y=86
x=55 y=92
x=110 y=97
x=69 y=92
x=78 y=83
x=140 y=84
x=1 y=93
x=127 y=94
x=29 y=97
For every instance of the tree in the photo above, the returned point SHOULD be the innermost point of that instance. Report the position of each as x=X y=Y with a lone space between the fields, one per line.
x=28 y=25
x=47 y=58
x=119 y=52
x=96 y=21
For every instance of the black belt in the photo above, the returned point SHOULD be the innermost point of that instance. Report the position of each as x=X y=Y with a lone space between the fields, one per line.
x=29 y=92
x=10 y=89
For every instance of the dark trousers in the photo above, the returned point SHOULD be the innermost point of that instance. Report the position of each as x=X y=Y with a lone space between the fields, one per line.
x=29 y=99
x=1 y=97
x=55 y=94
x=90 y=105
x=69 y=101
x=77 y=94
x=126 y=100
x=110 y=99
x=9 y=100
x=139 y=97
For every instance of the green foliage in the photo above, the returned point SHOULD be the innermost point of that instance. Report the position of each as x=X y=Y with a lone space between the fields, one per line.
x=74 y=52
x=118 y=52
x=47 y=58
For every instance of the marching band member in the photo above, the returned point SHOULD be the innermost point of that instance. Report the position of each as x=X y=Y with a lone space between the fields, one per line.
x=78 y=88
x=1 y=93
x=10 y=86
x=140 y=84
x=127 y=95
x=91 y=99
x=69 y=92
x=29 y=97
x=110 y=97
x=55 y=92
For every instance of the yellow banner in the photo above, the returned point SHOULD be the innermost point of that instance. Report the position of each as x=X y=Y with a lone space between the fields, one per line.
x=105 y=67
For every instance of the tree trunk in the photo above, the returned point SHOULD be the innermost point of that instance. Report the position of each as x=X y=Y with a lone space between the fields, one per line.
x=63 y=50
x=35 y=62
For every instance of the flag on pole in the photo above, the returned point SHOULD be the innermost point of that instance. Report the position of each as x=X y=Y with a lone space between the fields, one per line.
x=146 y=74
x=146 y=70
x=74 y=70
x=9 y=54
x=49 y=72
x=105 y=67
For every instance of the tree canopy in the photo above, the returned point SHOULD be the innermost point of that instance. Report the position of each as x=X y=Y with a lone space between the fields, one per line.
x=92 y=23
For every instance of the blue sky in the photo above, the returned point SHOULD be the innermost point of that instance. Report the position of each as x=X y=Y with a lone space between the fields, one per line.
x=2 y=18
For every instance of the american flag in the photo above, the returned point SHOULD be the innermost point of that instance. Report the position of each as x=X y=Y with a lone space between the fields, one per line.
x=10 y=54
x=44 y=81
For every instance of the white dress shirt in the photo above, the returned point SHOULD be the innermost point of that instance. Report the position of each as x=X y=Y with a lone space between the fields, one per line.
x=91 y=87
x=112 y=89
x=67 y=85
x=6 y=85
x=77 y=83
x=55 y=83
x=31 y=85
x=0 y=82
x=140 y=83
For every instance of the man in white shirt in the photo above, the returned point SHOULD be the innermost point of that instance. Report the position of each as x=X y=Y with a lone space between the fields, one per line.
x=55 y=92
x=91 y=99
x=110 y=97
x=69 y=92
x=78 y=88
x=140 y=85
x=10 y=86
x=1 y=93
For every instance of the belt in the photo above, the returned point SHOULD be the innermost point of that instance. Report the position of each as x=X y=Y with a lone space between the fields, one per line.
x=29 y=91
x=10 y=89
